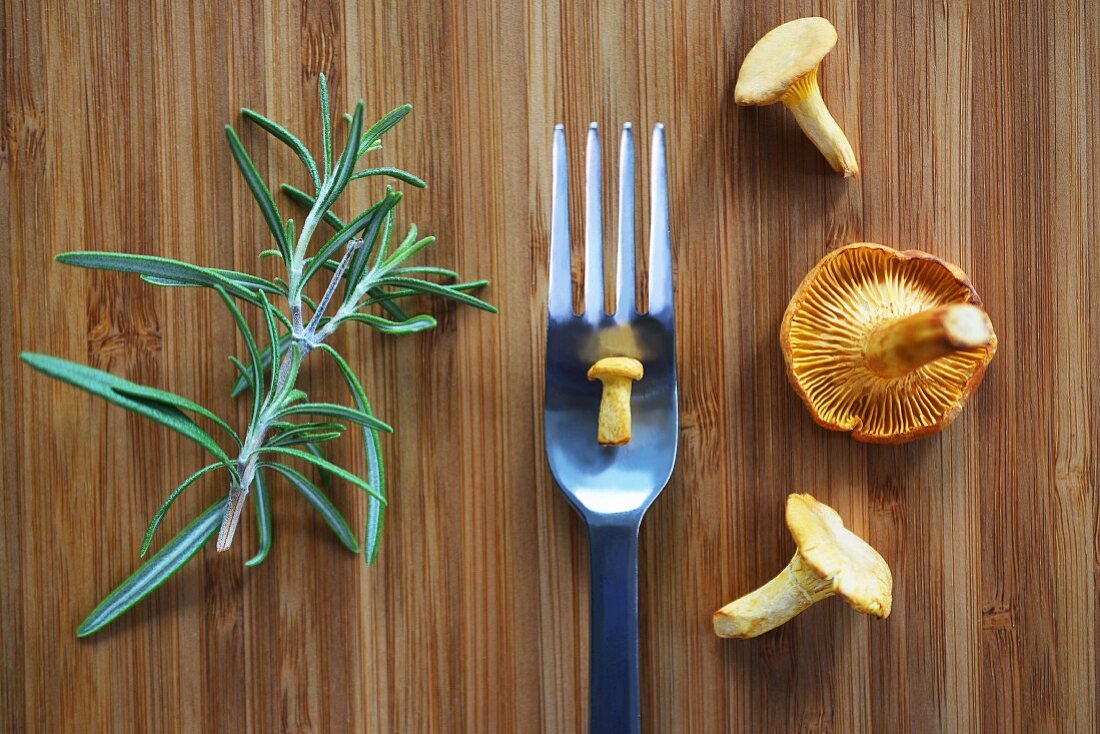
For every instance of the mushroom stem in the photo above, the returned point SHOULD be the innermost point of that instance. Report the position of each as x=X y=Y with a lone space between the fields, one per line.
x=804 y=101
x=898 y=347
x=614 y=423
x=793 y=591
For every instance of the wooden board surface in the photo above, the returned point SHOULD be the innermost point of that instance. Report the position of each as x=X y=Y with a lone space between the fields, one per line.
x=976 y=128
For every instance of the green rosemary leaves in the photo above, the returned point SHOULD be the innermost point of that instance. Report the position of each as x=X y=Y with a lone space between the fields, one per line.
x=285 y=425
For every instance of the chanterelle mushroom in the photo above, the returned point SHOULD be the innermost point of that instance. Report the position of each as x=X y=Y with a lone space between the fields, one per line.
x=617 y=375
x=888 y=345
x=829 y=560
x=782 y=67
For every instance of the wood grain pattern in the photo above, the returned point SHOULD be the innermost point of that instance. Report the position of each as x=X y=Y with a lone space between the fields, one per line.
x=976 y=125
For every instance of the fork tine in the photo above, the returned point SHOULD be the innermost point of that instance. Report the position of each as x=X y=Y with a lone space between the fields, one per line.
x=561 y=287
x=660 y=249
x=624 y=285
x=593 y=229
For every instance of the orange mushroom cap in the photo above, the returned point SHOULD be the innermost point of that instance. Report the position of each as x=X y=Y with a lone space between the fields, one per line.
x=855 y=570
x=782 y=57
x=841 y=309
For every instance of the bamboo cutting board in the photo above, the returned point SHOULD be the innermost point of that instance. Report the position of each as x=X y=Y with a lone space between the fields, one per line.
x=976 y=125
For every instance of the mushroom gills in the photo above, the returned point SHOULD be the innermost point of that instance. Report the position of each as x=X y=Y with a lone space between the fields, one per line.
x=885 y=344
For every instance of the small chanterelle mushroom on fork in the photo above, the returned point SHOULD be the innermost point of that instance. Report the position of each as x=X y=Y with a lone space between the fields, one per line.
x=888 y=345
x=829 y=560
x=617 y=375
x=782 y=67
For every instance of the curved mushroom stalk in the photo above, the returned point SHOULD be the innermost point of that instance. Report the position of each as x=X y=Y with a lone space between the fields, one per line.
x=804 y=101
x=830 y=560
x=794 y=590
x=898 y=347
x=782 y=67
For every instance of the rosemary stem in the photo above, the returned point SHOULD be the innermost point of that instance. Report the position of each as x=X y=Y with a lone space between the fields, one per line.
x=354 y=245
x=310 y=224
x=247 y=459
x=350 y=304
x=284 y=371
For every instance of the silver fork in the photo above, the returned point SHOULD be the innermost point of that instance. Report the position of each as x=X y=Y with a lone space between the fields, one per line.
x=611 y=487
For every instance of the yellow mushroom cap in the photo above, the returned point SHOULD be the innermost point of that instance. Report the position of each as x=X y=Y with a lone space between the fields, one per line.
x=625 y=367
x=783 y=56
x=828 y=324
x=857 y=572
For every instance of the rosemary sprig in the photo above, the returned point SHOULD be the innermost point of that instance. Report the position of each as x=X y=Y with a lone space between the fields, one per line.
x=358 y=256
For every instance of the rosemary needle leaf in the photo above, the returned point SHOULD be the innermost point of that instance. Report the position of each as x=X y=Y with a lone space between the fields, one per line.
x=253 y=354
x=326 y=125
x=372 y=447
x=412 y=325
x=314 y=438
x=300 y=439
x=159 y=516
x=262 y=506
x=319 y=501
x=292 y=142
x=446 y=273
x=294 y=396
x=398 y=173
x=398 y=313
x=251 y=282
x=266 y=358
x=299 y=433
x=380 y=128
x=259 y=191
x=407 y=251
x=346 y=165
x=244 y=374
x=449 y=292
x=306 y=201
x=381 y=297
x=165 y=562
x=334 y=410
x=273 y=339
x=167 y=269
x=387 y=236
x=359 y=260
x=159 y=405
x=326 y=477
x=327 y=465
x=409 y=239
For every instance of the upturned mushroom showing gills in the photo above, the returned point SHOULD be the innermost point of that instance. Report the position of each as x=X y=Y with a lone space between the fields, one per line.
x=782 y=67
x=885 y=344
x=830 y=560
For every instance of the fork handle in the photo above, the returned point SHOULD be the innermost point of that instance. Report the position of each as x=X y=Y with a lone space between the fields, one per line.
x=614 y=703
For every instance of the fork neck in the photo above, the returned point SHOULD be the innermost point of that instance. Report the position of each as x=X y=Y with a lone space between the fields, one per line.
x=614 y=684
x=607 y=522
